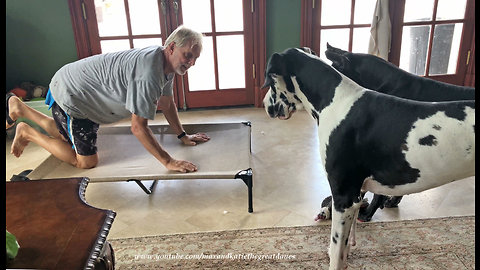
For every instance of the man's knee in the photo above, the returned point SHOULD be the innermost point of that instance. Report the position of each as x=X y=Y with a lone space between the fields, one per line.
x=87 y=162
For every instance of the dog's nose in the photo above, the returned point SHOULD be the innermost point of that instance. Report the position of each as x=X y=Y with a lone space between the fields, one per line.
x=271 y=111
x=276 y=110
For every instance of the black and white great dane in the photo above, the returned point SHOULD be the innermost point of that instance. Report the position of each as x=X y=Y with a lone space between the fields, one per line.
x=370 y=141
x=375 y=73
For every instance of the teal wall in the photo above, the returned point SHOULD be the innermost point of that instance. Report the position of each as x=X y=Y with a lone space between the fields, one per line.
x=39 y=40
x=283 y=25
x=39 y=36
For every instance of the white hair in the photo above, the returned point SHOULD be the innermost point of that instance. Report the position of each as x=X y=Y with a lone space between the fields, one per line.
x=183 y=35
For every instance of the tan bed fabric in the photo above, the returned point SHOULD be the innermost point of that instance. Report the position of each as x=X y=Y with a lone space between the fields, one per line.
x=122 y=157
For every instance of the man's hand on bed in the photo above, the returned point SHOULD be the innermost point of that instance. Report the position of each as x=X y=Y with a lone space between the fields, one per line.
x=181 y=166
x=194 y=138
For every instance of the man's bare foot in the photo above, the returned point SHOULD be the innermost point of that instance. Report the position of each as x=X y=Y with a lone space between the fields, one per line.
x=20 y=142
x=14 y=104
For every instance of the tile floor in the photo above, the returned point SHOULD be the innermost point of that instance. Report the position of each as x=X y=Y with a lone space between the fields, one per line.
x=289 y=185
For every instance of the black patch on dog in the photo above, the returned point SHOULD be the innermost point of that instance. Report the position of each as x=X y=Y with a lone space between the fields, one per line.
x=458 y=112
x=289 y=84
x=428 y=140
x=437 y=127
x=334 y=240
x=327 y=202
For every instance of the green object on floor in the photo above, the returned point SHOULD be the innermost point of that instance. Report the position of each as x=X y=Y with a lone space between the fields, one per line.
x=12 y=245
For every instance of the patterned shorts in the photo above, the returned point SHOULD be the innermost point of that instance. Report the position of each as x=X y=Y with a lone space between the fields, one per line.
x=80 y=133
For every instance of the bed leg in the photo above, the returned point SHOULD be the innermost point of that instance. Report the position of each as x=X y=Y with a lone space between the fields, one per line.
x=247 y=178
x=140 y=184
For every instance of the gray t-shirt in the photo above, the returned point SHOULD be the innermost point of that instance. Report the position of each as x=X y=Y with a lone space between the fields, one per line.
x=109 y=87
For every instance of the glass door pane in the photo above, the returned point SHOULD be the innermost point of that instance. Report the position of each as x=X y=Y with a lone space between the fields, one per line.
x=228 y=15
x=418 y=10
x=413 y=54
x=363 y=13
x=231 y=66
x=145 y=42
x=144 y=17
x=446 y=43
x=361 y=38
x=114 y=45
x=197 y=15
x=202 y=75
x=336 y=12
x=219 y=76
x=111 y=18
x=336 y=37
x=450 y=10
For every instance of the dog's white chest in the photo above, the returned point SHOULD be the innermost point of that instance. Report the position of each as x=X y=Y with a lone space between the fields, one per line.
x=332 y=115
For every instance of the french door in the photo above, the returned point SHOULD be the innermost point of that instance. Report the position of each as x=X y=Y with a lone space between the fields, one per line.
x=434 y=38
x=430 y=38
x=223 y=74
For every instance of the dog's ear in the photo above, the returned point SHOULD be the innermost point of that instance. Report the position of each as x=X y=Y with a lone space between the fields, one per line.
x=332 y=49
x=308 y=50
x=275 y=66
x=268 y=82
x=338 y=57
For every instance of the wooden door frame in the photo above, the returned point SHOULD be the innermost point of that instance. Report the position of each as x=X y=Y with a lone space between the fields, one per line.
x=259 y=51
x=208 y=98
x=83 y=18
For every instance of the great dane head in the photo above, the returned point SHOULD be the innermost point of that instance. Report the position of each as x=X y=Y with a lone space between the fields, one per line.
x=281 y=100
x=298 y=79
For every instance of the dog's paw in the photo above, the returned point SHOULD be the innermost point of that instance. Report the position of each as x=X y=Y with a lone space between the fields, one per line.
x=324 y=214
x=392 y=201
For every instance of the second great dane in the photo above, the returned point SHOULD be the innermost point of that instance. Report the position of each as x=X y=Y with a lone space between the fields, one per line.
x=370 y=141
x=374 y=73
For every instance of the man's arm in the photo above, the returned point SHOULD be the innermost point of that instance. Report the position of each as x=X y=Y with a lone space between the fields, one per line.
x=145 y=135
x=169 y=109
